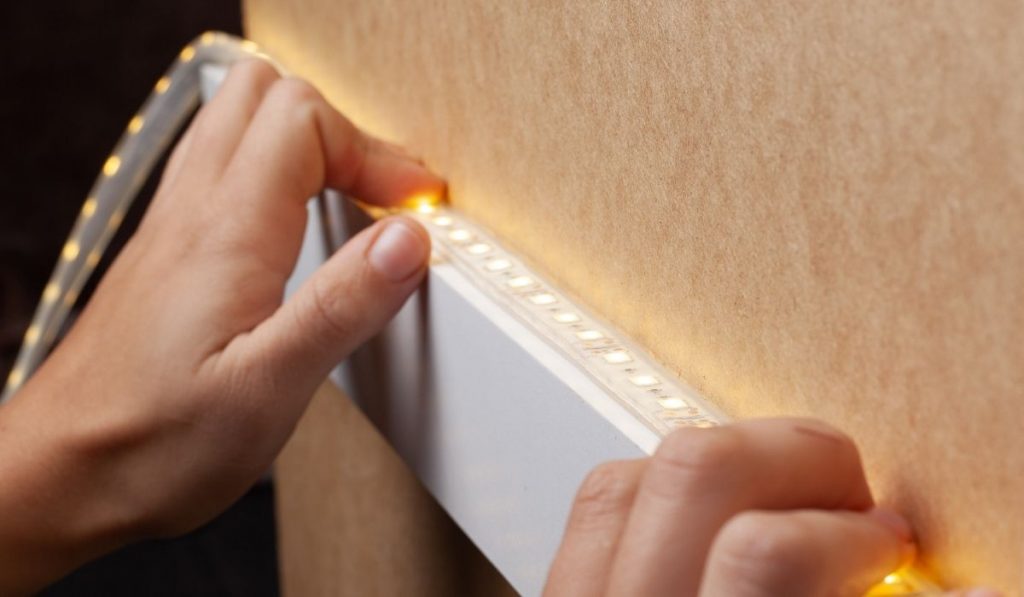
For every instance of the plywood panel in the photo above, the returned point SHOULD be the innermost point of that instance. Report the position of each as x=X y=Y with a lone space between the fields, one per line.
x=803 y=207
x=353 y=520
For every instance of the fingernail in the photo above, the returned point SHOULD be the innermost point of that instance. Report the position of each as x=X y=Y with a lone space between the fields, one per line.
x=895 y=522
x=398 y=252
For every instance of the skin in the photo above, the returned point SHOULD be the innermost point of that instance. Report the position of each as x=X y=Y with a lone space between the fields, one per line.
x=186 y=374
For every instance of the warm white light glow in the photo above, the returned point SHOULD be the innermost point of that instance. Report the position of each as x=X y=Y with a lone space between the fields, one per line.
x=520 y=282
x=15 y=377
x=479 y=248
x=618 y=357
x=460 y=235
x=672 y=403
x=32 y=334
x=89 y=207
x=443 y=221
x=70 y=251
x=644 y=381
x=498 y=265
x=51 y=292
x=112 y=165
x=187 y=54
x=135 y=124
x=162 y=85
x=589 y=335
x=566 y=317
x=543 y=298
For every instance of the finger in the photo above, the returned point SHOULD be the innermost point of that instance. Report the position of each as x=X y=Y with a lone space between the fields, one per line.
x=348 y=300
x=220 y=125
x=810 y=553
x=598 y=516
x=298 y=144
x=700 y=478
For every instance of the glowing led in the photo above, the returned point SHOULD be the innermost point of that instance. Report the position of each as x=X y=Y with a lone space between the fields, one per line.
x=618 y=357
x=15 y=377
x=32 y=334
x=162 y=85
x=51 y=292
x=566 y=317
x=135 y=124
x=443 y=221
x=92 y=259
x=479 y=248
x=70 y=297
x=187 y=54
x=544 y=298
x=892 y=579
x=115 y=220
x=589 y=335
x=672 y=403
x=644 y=381
x=70 y=251
x=249 y=45
x=89 y=207
x=520 y=282
x=208 y=38
x=112 y=165
x=498 y=265
x=460 y=235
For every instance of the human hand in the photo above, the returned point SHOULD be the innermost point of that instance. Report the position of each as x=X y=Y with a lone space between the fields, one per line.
x=755 y=509
x=185 y=374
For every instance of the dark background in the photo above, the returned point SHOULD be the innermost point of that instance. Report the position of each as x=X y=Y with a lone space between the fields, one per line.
x=75 y=72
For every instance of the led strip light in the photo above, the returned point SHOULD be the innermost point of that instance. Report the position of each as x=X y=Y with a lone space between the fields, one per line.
x=626 y=372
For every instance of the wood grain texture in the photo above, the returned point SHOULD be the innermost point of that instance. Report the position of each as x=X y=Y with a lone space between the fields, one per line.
x=802 y=207
x=353 y=520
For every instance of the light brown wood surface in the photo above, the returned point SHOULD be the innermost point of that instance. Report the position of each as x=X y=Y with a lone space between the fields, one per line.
x=353 y=520
x=803 y=207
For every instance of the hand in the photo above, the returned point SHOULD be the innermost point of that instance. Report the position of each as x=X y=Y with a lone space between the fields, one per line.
x=759 y=508
x=185 y=374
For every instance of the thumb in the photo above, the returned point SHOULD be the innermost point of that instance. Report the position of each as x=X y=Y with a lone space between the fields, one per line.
x=346 y=302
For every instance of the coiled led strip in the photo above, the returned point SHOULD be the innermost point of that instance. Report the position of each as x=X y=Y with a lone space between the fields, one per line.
x=630 y=375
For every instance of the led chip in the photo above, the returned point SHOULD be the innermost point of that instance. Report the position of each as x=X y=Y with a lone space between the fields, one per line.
x=566 y=317
x=498 y=265
x=618 y=357
x=589 y=335
x=544 y=298
x=479 y=248
x=520 y=282
x=443 y=221
x=644 y=381
x=672 y=403
x=460 y=235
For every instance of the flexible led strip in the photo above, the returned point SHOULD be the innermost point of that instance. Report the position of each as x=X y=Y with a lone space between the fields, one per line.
x=627 y=373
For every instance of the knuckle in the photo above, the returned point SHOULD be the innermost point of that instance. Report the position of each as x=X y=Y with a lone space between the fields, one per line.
x=764 y=553
x=693 y=456
x=606 y=492
x=330 y=310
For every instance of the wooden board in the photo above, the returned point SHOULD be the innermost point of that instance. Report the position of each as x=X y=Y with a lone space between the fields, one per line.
x=804 y=208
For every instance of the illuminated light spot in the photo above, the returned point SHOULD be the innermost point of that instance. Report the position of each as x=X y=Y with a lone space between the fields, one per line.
x=479 y=248
x=92 y=259
x=672 y=403
x=15 y=378
x=32 y=334
x=162 y=85
x=892 y=579
x=207 y=38
x=644 y=381
x=112 y=165
x=520 y=282
x=51 y=292
x=89 y=207
x=187 y=54
x=135 y=124
x=544 y=298
x=70 y=297
x=70 y=251
x=115 y=220
x=567 y=317
x=589 y=335
x=249 y=45
x=498 y=265
x=460 y=235
x=618 y=357
x=443 y=221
